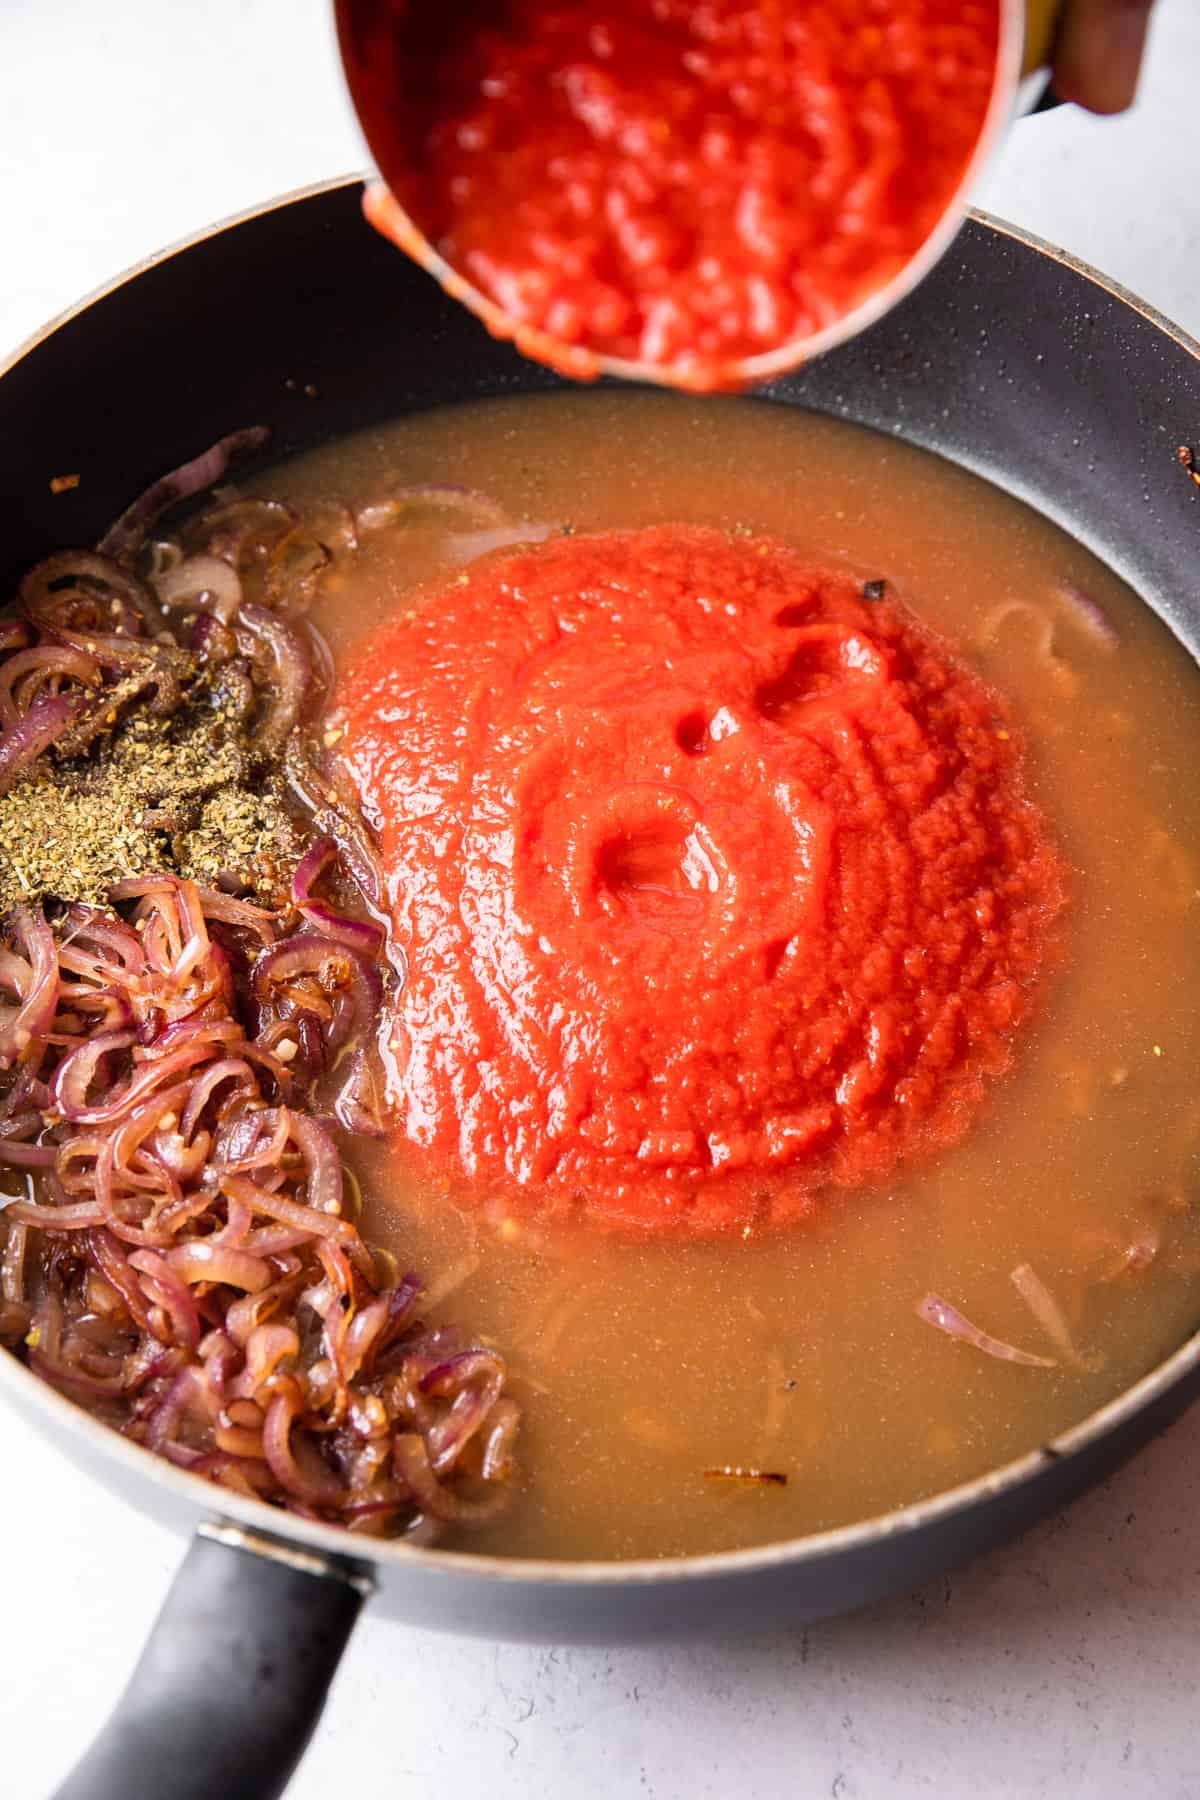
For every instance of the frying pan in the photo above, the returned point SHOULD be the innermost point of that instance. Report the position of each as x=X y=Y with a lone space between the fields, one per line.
x=1012 y=360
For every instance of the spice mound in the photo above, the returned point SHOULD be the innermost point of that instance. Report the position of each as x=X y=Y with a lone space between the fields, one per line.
x=186 y=793
x=716 y=873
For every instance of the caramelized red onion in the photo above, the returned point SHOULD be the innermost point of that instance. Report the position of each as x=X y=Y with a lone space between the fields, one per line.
x=189 y=1271
x=124 y=538
x=1091 y=617
x=28 y=969
x=23 y=676
x=48 y=719
x=185 y=1263
x=88 y=618
x=205 y=581
x=334 y=812
x=1052 y=1319
x=285 y=659
x=77 y=591
x=356 y=934
x=474 y=508
x=939 y=1313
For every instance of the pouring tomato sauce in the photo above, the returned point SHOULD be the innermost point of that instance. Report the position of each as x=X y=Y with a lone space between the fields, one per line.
x=716 y=873
x=680 y=186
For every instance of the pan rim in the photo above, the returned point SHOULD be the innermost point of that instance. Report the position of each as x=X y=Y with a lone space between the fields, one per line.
x=257 y=1520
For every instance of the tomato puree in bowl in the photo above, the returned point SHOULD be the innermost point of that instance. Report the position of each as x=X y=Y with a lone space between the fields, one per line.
x=674 y=184
x=715 y=872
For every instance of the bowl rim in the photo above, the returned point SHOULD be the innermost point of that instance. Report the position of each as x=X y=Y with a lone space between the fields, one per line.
x=252 y=1522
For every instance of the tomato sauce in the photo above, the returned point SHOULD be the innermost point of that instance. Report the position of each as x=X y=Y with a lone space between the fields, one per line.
x=675 y=184
x=715 y=872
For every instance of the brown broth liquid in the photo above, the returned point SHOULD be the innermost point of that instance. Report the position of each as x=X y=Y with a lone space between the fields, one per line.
x=640 y=1366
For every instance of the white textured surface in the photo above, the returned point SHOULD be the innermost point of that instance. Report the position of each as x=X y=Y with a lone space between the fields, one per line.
x=1063 y=1666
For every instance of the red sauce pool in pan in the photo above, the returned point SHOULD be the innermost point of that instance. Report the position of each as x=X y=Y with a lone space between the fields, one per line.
x=718 y=880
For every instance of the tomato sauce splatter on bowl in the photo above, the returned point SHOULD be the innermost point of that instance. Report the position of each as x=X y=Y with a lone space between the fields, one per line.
x=716 y=875
x=675 y=184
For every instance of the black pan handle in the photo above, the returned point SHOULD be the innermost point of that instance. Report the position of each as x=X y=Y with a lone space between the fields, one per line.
x=233 y=1678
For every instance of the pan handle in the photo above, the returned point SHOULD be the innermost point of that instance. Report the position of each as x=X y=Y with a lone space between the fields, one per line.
x=233 y=1678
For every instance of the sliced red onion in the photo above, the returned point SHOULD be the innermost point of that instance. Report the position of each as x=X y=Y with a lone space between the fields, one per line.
x=218 y=1033
x=75 y=1380
x=114 y=1265
x=475 y=1378
x=290 y=658
x=440 y=1502
x=87 y=924
x=357 y=934
x=439 y=497
x=1091 y=616
x=70 y=578
x=105 y=613
x=255 y=1139
x=165 y=1289
x=295 y=564
x=129 y=532
x=106 y=1009
x=115 y=1164
x=202 y=580
x=184 y=1160
x=12 y=1261
x=226 y=1069
x=17 y=1146
x=498 y=1461
x=360 y=1107
x=323 y=1166
x=48 y=719
x=19 y=1155
x=465 y=546
x=225 y=910
x=23 y=1025
x=279 y=1072
x=239 y=1440
x=184 y=1395
x=939 y=1313
x=77 y=1072
x=244 y=1316
x=292 y=1212
x=343 y=988
x=157 y=1070
x=267 y=1348
x=44 y=662
x=336 y=814
x=320 y=855
x=56 y=1218
x=203 y=1261
x=1050 y=1317
x=330 y=964
x=314 y=1483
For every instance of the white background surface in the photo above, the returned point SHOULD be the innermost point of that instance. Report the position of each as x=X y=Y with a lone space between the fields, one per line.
x=1064 y=1665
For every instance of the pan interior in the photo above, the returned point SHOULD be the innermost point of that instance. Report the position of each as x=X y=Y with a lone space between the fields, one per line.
x=811 y=1360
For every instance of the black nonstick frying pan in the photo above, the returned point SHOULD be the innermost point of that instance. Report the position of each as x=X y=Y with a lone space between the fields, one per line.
x=1010 y=359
